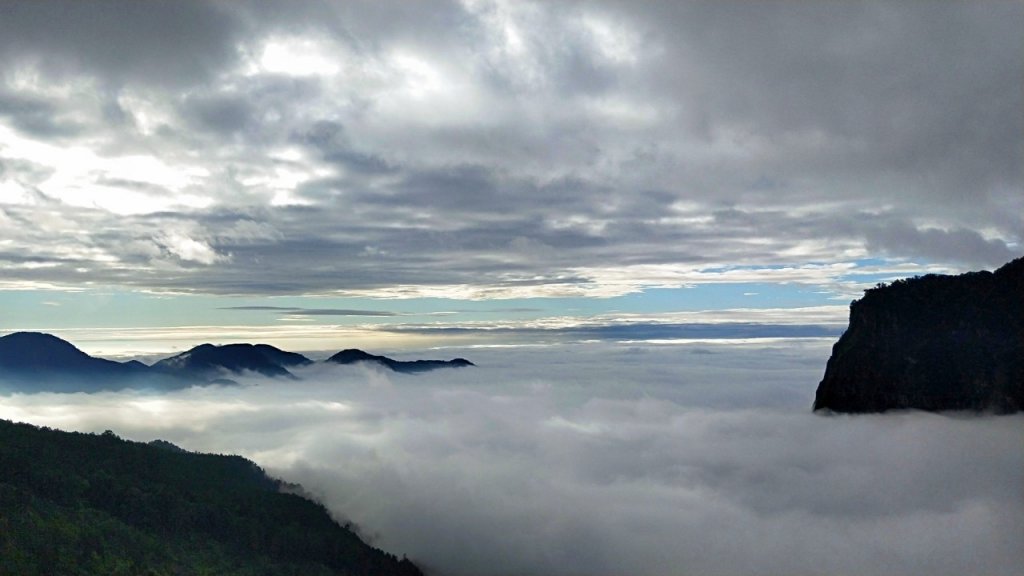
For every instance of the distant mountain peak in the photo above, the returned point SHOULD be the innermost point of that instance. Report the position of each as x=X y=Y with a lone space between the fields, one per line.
x=38 y=361
x=36 y=348
x=207 y=360
x=349 y=355
x=354 y=355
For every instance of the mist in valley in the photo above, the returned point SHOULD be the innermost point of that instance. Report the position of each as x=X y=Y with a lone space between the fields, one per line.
x=601 y=458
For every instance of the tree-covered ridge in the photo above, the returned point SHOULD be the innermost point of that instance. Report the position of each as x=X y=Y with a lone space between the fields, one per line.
x=73 y=503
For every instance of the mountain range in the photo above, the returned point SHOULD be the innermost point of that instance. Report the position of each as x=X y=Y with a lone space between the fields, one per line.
x=34 y=361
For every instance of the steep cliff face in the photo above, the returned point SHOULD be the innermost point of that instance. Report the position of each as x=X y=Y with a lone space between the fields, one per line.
x=932 y=343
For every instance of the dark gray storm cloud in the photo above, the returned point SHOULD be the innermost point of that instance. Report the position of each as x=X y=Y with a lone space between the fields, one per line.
x=247 y=148
x=121 y=42
x=934 y=243
x=602 y=459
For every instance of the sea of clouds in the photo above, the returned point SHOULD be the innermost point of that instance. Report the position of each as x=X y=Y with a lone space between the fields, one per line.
x=607 y=459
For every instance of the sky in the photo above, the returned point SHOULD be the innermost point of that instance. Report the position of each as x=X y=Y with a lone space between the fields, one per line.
x=608 y=459
x=644 y=222
x=391 y=174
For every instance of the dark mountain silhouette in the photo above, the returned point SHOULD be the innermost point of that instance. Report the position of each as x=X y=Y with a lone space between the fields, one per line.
x=932 y=343
x=352 y=356
x=37 y=362
x=45 y=362
x=74 y=503
x=209 y=361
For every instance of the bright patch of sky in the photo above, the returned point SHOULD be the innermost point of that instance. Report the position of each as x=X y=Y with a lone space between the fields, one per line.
x=358 y=321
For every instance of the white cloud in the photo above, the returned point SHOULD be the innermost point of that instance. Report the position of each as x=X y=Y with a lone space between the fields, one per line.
x=121 y=184
x=300 y=57
x=663 y=144
x=613 y=40
x=187 y=248
x=604 y=459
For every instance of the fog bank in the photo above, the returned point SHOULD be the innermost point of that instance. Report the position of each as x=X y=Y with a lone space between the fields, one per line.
x=694 y=458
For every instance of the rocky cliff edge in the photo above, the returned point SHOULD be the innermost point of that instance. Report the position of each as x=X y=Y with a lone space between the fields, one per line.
x=932 y=343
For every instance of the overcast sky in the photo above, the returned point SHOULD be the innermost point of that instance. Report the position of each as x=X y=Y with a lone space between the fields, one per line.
x=404 y=175
x=169 y=164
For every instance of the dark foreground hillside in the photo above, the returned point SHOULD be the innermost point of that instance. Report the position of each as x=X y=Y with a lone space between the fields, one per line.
x=74 y=503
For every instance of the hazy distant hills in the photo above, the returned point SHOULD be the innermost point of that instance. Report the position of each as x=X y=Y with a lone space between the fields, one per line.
x=210 y=361
x=33 y=361
x=43 y=361
x=74 y=503
x=352 y=356
x=35 y=351
x=932 y=343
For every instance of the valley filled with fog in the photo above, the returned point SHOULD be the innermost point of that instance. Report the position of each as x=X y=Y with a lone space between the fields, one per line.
x=601 y=458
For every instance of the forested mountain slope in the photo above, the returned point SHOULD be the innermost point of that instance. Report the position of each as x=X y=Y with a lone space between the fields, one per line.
x=73 y=503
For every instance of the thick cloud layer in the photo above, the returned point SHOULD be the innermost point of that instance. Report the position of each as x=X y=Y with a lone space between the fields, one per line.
x=484 y=148
x=698 y=458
